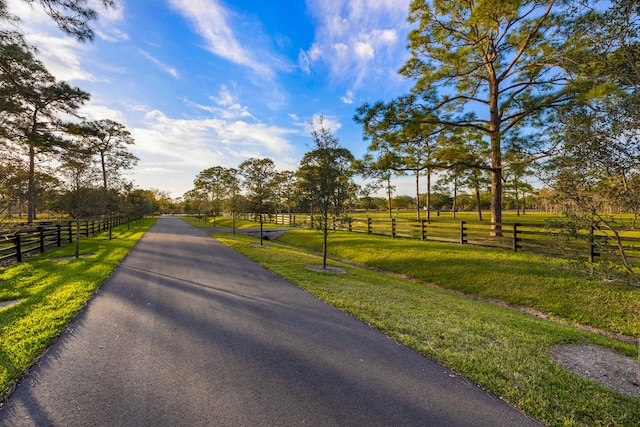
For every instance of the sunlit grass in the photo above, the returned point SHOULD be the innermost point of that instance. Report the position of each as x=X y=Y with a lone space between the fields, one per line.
x=548 y=285
x=51 y=292
x=502 y=351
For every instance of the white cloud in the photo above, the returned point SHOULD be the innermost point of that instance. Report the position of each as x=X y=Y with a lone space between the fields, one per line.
x=357 y=39
x=364 y=50
x=199 y=143
x=348 y=98
x=164 y=67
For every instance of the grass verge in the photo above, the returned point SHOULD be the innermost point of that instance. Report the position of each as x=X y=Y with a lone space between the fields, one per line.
x=50 y=292
x=523 y=279
x=502 y=351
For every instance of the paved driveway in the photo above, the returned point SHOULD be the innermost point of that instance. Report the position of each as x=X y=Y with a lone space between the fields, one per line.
x=187 y=332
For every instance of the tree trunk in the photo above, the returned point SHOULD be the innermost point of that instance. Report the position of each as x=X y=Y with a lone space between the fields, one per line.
x=428 y=199
x=455 y=196
x=260 y=228
x=478 y=201
x=389 y=196
x=325 y=233
x=496 y=153
x=31 y=187
x=417 y=194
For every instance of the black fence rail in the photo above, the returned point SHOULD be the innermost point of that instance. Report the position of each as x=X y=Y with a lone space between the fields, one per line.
x=533 y=237
x=18 y=240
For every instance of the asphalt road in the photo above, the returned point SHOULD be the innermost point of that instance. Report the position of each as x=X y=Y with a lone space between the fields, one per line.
x=187 y=332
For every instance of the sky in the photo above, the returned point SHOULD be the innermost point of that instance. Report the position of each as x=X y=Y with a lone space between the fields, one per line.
x=202 y=83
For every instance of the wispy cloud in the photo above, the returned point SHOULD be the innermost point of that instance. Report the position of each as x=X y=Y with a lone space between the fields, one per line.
x=164 y=67
x=211 y=21
x=225 y=106
x=357 y=40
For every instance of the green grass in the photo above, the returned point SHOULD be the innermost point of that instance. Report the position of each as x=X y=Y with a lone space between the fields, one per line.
x=503 y=351
x=51 y=293
x=224 y=222
x=545 y=284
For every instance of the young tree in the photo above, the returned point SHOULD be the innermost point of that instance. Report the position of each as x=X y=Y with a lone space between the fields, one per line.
x=325 y=173
x=487 y=65
x=259 y=176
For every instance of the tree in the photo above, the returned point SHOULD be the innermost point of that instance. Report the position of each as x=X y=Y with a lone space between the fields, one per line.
x=379 y=170
x=108 y=140
x=71 y=16
x=211 y=182
x=32 y=123
x=598 y=168
x=285 y=186
x=325 y=174
x=491 y=66
x=259 y=176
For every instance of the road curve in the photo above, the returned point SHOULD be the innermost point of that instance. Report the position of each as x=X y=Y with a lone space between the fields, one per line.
x=187 y=332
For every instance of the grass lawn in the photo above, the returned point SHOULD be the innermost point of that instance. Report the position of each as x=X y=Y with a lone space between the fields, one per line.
x=50 y=292
x=502 y=351
x=523 y=279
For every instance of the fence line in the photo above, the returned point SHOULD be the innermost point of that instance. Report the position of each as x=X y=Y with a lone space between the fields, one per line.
x=23 y=239
x=539 y=238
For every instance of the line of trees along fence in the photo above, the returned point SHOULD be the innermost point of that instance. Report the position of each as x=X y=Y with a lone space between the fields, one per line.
x=39 y=237
x=540 y=238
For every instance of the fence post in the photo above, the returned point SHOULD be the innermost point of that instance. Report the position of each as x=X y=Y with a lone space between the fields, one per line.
x=18 y=247
x=368 y=225
x=41 y=237
x=393 y=228
x=463 y=239
x=424 y=229
x=592 y=246
x=350 y=227
x=515 y=237
x=59 y=235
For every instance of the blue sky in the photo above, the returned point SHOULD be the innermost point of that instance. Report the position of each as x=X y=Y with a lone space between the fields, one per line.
x=201 y=83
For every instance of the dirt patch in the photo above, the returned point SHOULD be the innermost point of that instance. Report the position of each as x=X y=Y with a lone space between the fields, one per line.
x=605 y=366
x=330 y=270
x=9 y=303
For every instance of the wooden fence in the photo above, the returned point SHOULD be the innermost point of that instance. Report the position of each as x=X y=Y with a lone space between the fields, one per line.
x=22 y=239
x=540 y=238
